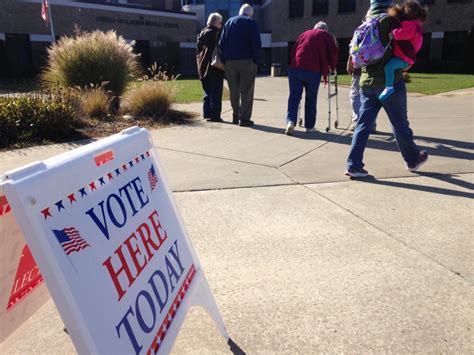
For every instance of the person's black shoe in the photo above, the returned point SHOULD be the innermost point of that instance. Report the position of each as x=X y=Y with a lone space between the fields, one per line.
x=357 y=173
x=247 y=123
x=235 y=119
x=215 y=120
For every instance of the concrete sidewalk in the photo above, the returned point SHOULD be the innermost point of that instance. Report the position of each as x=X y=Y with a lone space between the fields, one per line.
x=303 y=260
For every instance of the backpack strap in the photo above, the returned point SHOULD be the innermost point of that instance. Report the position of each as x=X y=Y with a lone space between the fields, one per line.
x=379 y=18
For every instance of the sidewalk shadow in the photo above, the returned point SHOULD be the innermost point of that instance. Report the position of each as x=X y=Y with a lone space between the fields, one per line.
x=445 y=141
x=425 y=188
x=449 y=178
x=382 y=141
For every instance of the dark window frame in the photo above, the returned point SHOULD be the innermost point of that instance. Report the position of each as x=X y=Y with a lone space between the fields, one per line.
x=346 y=6
x=320 y=7
x=296 y=8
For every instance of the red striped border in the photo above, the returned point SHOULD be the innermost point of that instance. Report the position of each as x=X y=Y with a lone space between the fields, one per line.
x=160 y=335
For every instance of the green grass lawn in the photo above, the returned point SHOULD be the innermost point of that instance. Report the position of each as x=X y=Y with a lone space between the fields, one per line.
x=188 y=90
x=429 y=84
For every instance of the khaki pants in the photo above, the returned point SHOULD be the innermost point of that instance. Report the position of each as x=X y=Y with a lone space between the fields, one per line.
x=240 y=75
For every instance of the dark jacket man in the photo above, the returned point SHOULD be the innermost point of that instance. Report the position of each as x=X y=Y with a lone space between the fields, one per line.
x=240 y=48
x=240 y=39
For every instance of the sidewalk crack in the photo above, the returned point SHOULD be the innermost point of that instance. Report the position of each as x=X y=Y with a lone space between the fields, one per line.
x=315 y=148
x=216 y=157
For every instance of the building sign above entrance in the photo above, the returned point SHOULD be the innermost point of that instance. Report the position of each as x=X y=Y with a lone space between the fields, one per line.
x=138 y=22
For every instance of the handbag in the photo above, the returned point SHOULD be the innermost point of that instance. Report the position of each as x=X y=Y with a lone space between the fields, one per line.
x=216 y=61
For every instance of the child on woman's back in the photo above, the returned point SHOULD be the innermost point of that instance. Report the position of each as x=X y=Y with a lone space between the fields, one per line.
x=407 y=41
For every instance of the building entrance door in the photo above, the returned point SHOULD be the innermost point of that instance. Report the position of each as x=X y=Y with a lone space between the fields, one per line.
x=18 y=55
x=143 y=48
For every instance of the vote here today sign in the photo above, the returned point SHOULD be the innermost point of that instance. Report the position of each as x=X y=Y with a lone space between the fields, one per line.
x=105 y=231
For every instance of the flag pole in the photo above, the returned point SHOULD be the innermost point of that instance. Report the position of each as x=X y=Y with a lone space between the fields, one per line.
x=51 y=22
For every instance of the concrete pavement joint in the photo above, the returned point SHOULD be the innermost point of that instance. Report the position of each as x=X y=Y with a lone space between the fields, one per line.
x=234 y=188
x=216 y=157
x=391 y=236
x=314 y=149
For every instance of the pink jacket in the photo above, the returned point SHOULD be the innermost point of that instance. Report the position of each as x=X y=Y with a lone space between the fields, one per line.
x=408 y=40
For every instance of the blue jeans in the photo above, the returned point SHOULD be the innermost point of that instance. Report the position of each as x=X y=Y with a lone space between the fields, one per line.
x=297 y=80
x=212 y=85
x=396 y=108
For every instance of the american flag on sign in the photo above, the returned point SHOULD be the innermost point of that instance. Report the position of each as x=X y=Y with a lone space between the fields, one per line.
x=70 y=240
x=152 y=178
x=44 y=11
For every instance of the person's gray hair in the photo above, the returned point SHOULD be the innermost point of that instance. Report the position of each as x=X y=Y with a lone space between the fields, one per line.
x=246 y=10
x=321 y=25
x=213 y=18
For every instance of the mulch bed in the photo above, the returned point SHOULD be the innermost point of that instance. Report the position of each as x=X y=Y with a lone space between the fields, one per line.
x=94 y=129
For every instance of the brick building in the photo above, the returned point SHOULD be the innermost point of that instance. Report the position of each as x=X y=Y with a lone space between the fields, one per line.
x=162 y=32
x=448 y=33
x=165 y=30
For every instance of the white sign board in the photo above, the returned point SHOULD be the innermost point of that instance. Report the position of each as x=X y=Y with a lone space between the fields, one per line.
x=104 y=229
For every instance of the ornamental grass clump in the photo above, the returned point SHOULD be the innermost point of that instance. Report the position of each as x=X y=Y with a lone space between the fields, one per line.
x=95 y=102
x=151 y=99
x=91 y=58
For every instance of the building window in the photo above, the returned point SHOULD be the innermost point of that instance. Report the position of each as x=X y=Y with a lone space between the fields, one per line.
x=296 y=8
x=320 y=7
x=347 y=6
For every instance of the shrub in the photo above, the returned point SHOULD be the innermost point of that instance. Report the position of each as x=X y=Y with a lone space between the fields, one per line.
x=91 y=58
x=95 y=102
x=149 y=99
x=25 y=120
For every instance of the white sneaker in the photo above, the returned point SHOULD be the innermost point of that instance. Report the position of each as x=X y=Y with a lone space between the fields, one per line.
x=290 y=128
x=309 y=130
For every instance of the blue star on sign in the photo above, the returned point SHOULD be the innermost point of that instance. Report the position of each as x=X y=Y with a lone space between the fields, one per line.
x=60 y=205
